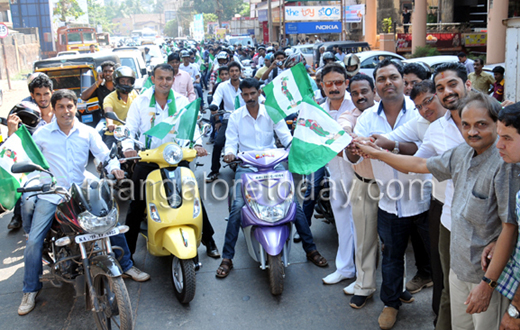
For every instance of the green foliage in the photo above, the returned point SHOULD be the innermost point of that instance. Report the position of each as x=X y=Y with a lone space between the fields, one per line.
x=209 y=17
x=246 y=11
x=171 y=28
x=66 y=9
x=97 y=15
x=387 y=25
x=225 y=9
x=425 y=51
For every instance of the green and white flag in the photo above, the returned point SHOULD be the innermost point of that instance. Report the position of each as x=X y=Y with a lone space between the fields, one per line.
x=317 y=139
x=182 y=123
x=286 y=92
x=18 y=148
x=147 y=84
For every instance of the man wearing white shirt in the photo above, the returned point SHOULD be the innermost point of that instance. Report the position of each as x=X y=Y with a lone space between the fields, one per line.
x=334 y=83
x=402 y=203
x=251 y=128
x=340 y=55
x=65 y=143
x=149 y=109
x=229 y=92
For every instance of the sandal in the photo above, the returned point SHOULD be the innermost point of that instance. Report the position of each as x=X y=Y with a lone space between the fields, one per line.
x=225 y=267
x=316 y=258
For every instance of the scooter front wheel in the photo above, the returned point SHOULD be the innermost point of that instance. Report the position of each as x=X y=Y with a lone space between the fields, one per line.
x=183 y=279
x=276 y=274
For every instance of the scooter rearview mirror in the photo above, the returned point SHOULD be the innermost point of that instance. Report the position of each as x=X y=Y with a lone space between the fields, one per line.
x=121 y=133
x=25 y=167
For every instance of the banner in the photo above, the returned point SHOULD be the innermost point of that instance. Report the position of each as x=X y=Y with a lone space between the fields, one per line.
x=353 y=14
x=312 y=13
x=313 y=27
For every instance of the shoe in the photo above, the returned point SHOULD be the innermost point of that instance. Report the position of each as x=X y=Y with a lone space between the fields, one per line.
x=406 y=297
x=211 y=249
x=358 y=302
x=16 y=223
x=418 y=283
x=387 y=318
x=136 y=274
x=297 y=238
x=212 y=176
x=334 y=278
x=348 y=290
x=28 y=302
x=209 y=142
x=319 y=216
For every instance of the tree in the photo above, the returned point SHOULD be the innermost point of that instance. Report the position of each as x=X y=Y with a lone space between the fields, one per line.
x=171 y=29
x=246 y=11
x=67 y=9
x=209 y=17
x=225 y=9
x=97 y=15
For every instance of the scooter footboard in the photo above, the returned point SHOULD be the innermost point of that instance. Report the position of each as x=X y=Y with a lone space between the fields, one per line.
x=181 y=242
x=272 y=239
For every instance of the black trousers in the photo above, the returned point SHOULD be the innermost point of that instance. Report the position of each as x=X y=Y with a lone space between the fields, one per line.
x=220 y=141
x=138 y=206
x=434 y=217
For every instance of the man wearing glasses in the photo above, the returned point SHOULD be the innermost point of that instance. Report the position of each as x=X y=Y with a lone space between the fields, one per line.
x=402 y=203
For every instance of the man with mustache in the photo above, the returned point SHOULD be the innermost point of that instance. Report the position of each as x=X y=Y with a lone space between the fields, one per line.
x=338 y=102
x=251 y=128
x=482 y=210
x=402 y=203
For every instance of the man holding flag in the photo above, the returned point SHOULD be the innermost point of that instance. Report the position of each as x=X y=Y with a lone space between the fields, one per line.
x=154 y=110
x=251 y=128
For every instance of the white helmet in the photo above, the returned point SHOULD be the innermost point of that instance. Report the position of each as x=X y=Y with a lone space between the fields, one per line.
x=349 y=61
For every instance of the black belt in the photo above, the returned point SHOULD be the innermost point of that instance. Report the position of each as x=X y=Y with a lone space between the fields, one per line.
x=362 y=178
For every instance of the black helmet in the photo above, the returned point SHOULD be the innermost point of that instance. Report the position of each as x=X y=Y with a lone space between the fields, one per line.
x=123 y=72
x=29 y=114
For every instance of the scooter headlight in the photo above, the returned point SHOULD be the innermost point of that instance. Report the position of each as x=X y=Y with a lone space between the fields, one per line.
x=172 y=154
x=271 y=213
x=98 y=225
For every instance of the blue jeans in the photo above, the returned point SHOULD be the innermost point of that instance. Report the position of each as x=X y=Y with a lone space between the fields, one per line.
x=312 y=193
x=201 y=94
x=41 y=214
x=233 y=226
x=394 y=233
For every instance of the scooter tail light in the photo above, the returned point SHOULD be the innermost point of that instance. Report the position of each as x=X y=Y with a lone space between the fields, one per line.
x=154 y=213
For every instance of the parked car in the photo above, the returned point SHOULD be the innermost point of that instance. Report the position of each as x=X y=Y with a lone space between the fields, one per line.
x=68 y=52
x=433 y=61
x=489 y=67
x=346 y=46
x=307 y=51
x=370 y=59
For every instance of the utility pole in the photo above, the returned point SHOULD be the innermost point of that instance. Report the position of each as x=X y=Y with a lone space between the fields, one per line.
x=270 y=20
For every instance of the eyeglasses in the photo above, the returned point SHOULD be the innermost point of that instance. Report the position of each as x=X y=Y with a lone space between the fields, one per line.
x=338 y=83
x=425 y=103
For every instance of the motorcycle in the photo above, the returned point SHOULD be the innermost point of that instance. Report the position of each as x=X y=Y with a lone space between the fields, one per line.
x=269 y=212
x=78 y=251
x=173 y=212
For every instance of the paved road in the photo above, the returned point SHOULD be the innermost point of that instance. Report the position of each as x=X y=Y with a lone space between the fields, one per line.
x=242 y=300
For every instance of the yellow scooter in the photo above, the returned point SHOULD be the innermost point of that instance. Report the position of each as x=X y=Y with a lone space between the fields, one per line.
x=173 y=212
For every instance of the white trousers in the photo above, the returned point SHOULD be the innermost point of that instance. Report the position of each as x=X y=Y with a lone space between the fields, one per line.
x=341 y=174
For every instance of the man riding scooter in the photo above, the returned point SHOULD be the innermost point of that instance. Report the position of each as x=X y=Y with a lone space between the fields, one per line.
x=245 y=125
x=148 y=110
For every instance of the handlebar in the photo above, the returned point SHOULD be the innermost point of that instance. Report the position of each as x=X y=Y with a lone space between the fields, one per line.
x=44 y=188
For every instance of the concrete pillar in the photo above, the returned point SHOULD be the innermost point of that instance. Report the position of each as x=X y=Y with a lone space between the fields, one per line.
x=496 y=42
x=419 y=25
x=447 y=7
x=371 y=22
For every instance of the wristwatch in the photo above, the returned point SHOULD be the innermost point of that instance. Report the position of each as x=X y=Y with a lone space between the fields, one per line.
x=513 y=312
x=396 y=148
x=492 y=284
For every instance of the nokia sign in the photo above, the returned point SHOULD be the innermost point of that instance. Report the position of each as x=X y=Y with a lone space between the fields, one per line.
x=327 y=27
x=313 y=27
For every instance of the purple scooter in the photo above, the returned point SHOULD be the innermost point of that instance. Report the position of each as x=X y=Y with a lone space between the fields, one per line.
x=268 y=213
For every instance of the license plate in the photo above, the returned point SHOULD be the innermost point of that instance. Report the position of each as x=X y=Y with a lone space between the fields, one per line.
x=268 y=176
x=94 y=237
x=87 y=118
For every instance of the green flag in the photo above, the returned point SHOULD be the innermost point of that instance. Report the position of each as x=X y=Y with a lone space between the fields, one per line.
x=317 y=139
x=147 y=84
x=182 y=123
x=19 y=147
x=286 y=92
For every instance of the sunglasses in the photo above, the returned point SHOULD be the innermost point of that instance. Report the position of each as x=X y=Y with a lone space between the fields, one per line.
x=425 y=103
x=329 y=84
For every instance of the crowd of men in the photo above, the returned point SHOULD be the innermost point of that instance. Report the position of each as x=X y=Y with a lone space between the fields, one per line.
x=433 y=161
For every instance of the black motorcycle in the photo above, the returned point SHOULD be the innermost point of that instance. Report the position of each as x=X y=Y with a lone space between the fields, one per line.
x=78 y=251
